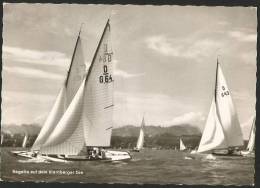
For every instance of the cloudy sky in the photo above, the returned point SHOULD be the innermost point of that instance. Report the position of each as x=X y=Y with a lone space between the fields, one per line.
x=165 y=59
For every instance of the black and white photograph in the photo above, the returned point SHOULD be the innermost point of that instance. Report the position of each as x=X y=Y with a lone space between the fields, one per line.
x=131 y=94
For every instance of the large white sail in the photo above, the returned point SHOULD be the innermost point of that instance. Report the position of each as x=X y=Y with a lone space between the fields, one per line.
x=52 y=119
x=74 y=79
x=76 y=72
x=68 y=136
x=182 y=146
x=251 y=141
x=88 y=119
x=226 y=112
x=140 y=141
x=99 y=94
x=213 y=135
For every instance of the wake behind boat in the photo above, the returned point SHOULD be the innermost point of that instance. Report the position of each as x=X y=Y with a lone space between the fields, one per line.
x=222 y=134
x=80 y=123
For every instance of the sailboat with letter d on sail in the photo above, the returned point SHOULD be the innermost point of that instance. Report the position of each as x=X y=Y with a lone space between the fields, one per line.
x=222 y=134
x=80 y=123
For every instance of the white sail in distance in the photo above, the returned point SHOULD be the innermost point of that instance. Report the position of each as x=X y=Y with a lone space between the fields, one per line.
x=140 y=141
x=2 y=138
x=222 y=129
x=182 y=146
x=74 y=79
x=251 y=141
x=88 y=119
x=25 y=140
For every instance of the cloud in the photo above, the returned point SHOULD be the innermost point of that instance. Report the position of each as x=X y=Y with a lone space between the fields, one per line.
x=124 y=74
x=191 y=48
x=25 y=107
x=157 y=107
x=34 y=56
x=243 y=36
x=190 y=118
x=249 y=57
x=33 y=73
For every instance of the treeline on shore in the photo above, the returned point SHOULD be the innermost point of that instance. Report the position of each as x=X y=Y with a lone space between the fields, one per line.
x=163 y=141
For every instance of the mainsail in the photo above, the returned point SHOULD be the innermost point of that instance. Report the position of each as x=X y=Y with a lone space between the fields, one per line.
x=222 y=129
x=140 y=141
x=251 y=141
x=182 y=146
x=88 y=119
x=74 y=79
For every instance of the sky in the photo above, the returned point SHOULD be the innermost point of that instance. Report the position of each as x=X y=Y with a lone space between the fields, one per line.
x=164 y=59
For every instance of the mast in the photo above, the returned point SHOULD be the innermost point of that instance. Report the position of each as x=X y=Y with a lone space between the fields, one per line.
x=216 y=82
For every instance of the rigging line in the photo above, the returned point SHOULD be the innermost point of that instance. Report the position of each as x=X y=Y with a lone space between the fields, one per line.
x=109 y=128
x=109 y=106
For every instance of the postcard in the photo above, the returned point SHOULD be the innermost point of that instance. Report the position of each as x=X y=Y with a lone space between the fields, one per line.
x=128 y=94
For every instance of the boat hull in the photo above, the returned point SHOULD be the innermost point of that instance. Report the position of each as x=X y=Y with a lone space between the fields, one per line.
x=109 y=156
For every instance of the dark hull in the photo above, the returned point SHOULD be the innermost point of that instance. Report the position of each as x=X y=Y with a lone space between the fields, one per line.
x=228 y=154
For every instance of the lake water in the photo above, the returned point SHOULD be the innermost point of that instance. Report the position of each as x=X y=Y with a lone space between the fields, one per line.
x=148 y=166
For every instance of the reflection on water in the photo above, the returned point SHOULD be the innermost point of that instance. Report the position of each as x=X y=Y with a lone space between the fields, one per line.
x=147 y=166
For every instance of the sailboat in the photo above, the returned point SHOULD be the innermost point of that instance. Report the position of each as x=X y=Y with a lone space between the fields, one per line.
x=182 y=146
x=25 y=140
x=251 y=142
x=140 y=141
x=2 y=139
x=222 y=133
x=80 y=123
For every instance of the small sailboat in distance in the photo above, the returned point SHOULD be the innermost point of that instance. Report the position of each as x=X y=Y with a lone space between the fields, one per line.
x=251 y=142
x=182 y=146
x=140 y=141
x=25 y=140
x=80 y=123
x=2 y=138
x=222 y=133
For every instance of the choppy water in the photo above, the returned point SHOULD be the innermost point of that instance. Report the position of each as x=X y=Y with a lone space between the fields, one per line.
x=147 y=166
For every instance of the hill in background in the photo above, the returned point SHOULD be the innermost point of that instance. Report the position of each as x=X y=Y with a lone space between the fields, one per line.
x=122 y=137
